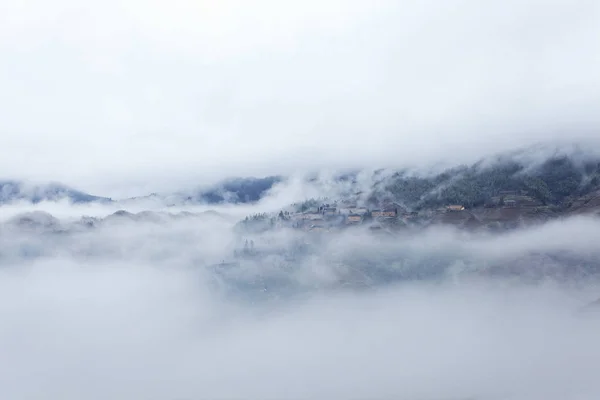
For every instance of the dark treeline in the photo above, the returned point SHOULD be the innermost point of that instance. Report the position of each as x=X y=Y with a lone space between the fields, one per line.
x=551 y=183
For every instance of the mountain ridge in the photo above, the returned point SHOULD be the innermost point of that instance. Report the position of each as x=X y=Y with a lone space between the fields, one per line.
x=555 y=178
x=13 y=190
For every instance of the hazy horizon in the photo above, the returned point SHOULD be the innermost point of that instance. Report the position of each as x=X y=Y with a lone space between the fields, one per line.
x=189 y=182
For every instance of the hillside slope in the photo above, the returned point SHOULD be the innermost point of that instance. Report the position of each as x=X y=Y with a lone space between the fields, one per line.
x=12 y=191
x=552 y=182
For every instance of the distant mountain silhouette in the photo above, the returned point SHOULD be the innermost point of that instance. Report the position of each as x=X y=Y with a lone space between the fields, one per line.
x=12 y=191
x=229 y=191
x=237 y=190
x=43 y=222
x=566 y=180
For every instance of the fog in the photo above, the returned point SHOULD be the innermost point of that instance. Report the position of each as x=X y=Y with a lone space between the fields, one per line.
x=145 y=309
x=135 y=299
x=190 y=91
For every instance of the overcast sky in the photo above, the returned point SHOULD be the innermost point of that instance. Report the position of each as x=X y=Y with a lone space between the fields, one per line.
x=104 y=95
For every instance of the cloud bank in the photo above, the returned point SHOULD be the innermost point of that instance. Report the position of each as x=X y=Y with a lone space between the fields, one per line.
x=156 y=94
x=144 y=309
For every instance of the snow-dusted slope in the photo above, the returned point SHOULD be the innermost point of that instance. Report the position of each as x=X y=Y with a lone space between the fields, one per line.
x=13 y=191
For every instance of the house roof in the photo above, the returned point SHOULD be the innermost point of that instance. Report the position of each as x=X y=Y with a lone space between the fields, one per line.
x=384 y=210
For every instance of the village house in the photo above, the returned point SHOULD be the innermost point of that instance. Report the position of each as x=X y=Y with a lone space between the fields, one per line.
x=329 y=211
x=528 y=201
x=521 y=201
x=309 y=216
x=510 y=203
x=385 y=213
x=347 y=208
x=354 y=219
x=353 y=209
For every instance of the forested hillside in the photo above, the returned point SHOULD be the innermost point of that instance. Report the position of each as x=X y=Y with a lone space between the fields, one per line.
x=551 y=183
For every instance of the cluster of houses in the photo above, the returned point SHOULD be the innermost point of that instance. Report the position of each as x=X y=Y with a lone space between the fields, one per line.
x=514 y=199
x=505 y=208
x=329 y=216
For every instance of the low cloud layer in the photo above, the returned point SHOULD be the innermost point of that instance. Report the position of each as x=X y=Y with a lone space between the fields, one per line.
x=144 y=309
x=124 y=331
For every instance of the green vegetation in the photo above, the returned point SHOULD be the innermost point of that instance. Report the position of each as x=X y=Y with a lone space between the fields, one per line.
x=256 y=223
x=309 y=204
x=551 y=186
x=550 y=183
